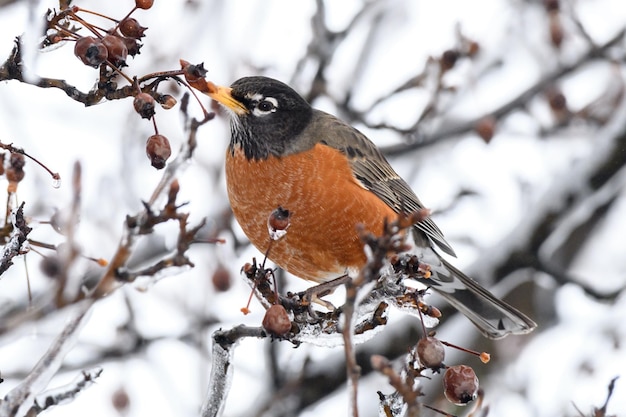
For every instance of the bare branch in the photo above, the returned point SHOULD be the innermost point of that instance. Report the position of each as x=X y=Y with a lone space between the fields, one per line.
x=20 y=399
x=19 y=235
x=65 y=393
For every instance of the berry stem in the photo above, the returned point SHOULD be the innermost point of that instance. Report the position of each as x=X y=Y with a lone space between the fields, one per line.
x=484 y=357
x=55 y=175
x=120 y=72
x=66 y=32
x=443 y=413
x=85 y=24
x=117 y=26
x=80 y=9
x=156 y=129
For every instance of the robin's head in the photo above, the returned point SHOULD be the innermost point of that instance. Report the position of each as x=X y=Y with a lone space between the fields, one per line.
x=267 y=116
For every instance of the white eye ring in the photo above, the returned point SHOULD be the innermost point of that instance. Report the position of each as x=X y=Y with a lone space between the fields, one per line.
x=265 y=106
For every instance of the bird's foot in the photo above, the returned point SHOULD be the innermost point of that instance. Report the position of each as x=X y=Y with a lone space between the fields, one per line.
x=315 y=294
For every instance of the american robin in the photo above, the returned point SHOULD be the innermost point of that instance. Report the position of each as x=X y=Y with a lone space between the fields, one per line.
x=331 y=178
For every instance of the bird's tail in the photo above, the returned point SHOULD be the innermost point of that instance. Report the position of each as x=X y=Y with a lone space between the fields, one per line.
x=493 y=317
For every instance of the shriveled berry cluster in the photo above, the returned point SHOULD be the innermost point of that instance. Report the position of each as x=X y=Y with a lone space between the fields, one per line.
x=110 y=46
x=460 y=383
x=13 y=167
x=108 y=49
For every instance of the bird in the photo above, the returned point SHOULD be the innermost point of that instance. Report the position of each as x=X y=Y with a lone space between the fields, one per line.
x=331 y=179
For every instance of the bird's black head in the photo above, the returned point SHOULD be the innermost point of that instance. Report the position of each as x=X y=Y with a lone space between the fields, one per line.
x=267 y=116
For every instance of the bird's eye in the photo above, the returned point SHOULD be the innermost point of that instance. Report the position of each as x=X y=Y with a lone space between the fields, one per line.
x=265 y=106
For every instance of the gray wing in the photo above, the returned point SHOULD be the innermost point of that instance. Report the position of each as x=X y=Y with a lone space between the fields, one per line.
x=376 y=174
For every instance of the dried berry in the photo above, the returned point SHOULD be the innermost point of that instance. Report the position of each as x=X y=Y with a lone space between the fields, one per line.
x=249 y=270
x=50 y=266
x=116 y=50
x=158 y=150
x=15 y=171
x=131 y=28
x=132 y=45
x=144 y=4
x=448 y=59
x=460 y=384
x=278 y=222
x=144 y=105
x=120 y=400
x=193 y=72
x=17 y=161
x=194 y=75
x=556 y=30
x=91 y=51
x=167 y=101
x=486 y=128
x=429 y=310
x=276 y=320
x=556 y=99
x=221 y=279
x=431 y=353
x=551 y=5
x=473 y=48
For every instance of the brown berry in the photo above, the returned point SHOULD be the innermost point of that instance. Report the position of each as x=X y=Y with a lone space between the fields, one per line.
x=551 y=5
x=431 y=353
x=429 y=310
x=131 y=28
x=120 y=400
x=50 y=266
x=193 y=72
x=556 y=30
x=91 y=51
x=249 y=270
x=116 y=49
x=15 y=172
x=460 y=384
x=276 y=320
x=158 y=150
x=144 y=4
x=144 y=105
x=448 y=59
x=221 y=279
x=166 y=101
x=556 y=99
x=486 y=128
x=278 y=222
x=473 y=48
x=17 y=161
x=132 y=45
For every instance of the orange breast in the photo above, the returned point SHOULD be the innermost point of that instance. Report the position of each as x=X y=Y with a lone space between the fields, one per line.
x=326 y=204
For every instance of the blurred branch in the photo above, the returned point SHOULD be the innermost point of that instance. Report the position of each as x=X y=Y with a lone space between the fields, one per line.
x=13 y=69
x=68 y=392
x=451 y=129
x=7 y=2
x=325 y=42
x=601 y=412
x=20 y=399
x=143 y=223
x=524 y=246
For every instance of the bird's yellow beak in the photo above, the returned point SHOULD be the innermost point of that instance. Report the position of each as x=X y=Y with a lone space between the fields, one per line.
x=223 y=95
